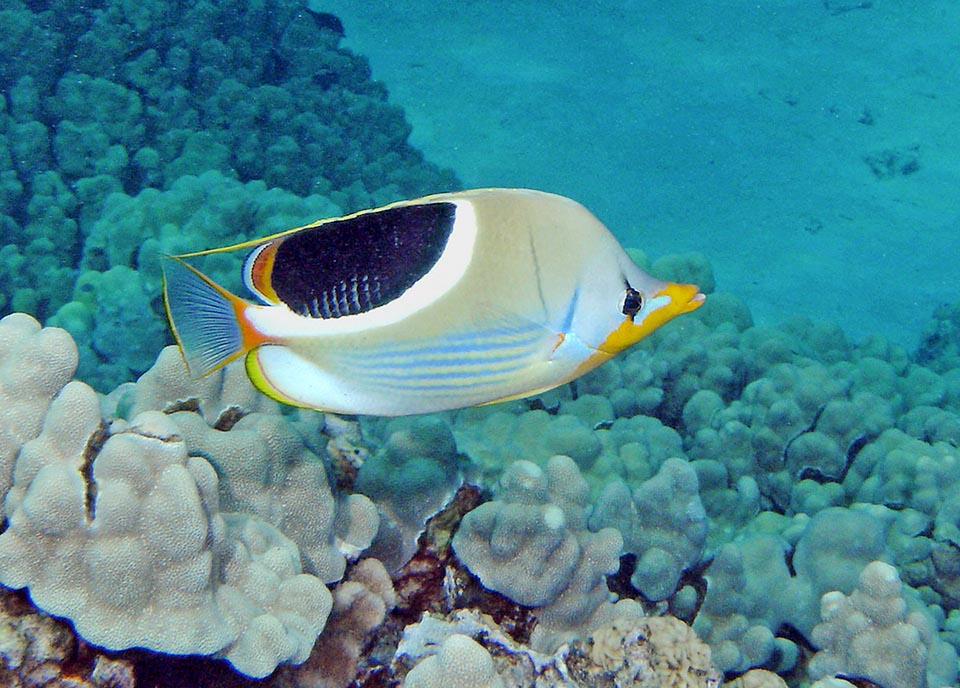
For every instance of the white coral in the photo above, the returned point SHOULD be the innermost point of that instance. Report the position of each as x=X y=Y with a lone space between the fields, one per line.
x=120 y=530
x=870 y=633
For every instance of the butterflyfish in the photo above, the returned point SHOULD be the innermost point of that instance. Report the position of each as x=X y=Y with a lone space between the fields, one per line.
x=442 y=302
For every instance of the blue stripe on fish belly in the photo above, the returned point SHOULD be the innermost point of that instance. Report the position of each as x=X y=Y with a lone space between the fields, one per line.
x=456 y=345
x=475 y=361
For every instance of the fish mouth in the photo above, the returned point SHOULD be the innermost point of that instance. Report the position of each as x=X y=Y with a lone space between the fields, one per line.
x=684 y=298
x=672 y=300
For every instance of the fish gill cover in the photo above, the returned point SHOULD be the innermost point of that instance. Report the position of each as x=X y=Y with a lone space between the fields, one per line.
x=790 y=494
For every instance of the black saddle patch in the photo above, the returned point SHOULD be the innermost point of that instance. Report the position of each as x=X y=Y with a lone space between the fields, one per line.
x=345 y=267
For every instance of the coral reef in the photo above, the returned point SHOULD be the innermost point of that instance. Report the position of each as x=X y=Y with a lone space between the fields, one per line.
x=659 y=651
x=121 y=525
x=360 y=604
x=871 y=634
x=743 y=556
x=119 y=123
x=459 y=661
x=629 y=650
x=666 y=540
x=807 y=450
x=37 y=650
x=34 y=365
x=791 y=495
x=145 y=553
x=532 y=544
x=411 y=475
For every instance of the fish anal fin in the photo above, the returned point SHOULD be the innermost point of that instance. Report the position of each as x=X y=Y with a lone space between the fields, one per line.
x=261 y=381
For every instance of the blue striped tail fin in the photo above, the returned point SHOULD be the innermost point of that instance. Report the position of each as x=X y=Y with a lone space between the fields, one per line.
x=206 y=319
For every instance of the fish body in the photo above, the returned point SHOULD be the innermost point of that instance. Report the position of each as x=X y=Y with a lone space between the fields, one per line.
x=442 y=302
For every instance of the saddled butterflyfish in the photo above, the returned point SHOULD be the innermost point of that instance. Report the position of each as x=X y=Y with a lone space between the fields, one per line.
x=442 y=302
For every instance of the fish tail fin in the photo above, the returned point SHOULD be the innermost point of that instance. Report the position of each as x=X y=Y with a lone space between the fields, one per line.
x=209 y=323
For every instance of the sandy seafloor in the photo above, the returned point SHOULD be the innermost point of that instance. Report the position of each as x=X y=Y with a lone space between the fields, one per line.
x=739 y=129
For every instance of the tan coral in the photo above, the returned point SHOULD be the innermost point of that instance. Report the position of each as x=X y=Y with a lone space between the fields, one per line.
x=870 y=633
x=532 y=545
x=360 y=604
x=36 y=649
x=265 y=469
x=759 y=678
x=657 y=651
x=832 y=682
x=627 y=650
x=460 y=662
x=133 y=549
x=262 y=462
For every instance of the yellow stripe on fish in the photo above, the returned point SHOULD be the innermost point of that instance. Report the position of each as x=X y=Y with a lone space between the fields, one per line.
x=442 y=302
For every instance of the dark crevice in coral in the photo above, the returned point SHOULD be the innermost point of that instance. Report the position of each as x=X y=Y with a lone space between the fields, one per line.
x=792 y=634
x=536 y=404
x=435 y=581
x=90 y=452
x=695 y=578
x=788 y=560
x=228 y=418
x=619 y=582
x=815 y=474
x=859 y=681
x=514 y=619
x=377 y=676
x=164 y=671
x=797 y=435
x=419 y=584
x=192 y=404
x=770 y=503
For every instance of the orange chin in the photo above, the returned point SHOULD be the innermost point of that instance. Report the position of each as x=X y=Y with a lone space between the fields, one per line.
x=684 y=298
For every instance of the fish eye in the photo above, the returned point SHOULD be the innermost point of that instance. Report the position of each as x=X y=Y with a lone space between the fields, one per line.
x=632 y=302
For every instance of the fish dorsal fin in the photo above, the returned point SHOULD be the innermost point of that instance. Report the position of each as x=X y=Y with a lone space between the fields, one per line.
x=351 y=265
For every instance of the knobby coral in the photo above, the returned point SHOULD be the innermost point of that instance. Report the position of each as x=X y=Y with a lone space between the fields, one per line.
x=117 y=526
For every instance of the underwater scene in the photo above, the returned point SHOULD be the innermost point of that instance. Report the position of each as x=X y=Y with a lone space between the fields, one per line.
x=477 y=344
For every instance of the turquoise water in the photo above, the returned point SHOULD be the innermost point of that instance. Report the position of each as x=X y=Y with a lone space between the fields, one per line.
x=807 y=152
x=808 y=148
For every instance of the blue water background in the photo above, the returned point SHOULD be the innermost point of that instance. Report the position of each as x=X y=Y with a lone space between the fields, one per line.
x=810 y=148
